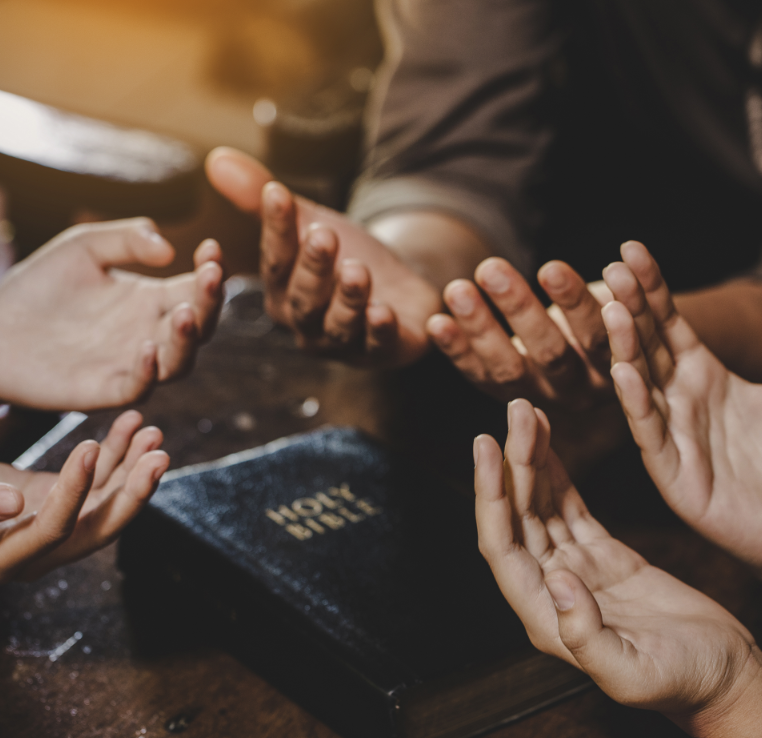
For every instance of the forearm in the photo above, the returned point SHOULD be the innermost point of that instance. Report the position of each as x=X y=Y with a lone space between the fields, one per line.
x=437 y=246
x=728 y=319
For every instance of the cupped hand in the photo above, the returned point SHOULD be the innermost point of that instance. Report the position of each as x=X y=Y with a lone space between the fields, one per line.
x=559 y=357
x=699 y=426
x=647 y=639
x=60 y=518
x=77 y=334
x=341 y=291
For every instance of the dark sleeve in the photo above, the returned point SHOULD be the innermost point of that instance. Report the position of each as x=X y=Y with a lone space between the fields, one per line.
x=460 y=117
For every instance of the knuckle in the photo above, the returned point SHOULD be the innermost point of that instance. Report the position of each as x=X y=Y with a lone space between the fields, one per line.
x=485 y=550
x=518 y=300
x=506 y=373
x=554 y=359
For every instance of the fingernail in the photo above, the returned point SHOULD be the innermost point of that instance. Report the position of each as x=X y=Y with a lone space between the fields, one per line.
x=461 y=303
x=556 y=280
x=561 y=593
x=317 y=243
x=91 y=457
x=9 y=501
x=275 y=201
x=233 y=172
x=157 y=238
x=476 y=451
x=496 y=282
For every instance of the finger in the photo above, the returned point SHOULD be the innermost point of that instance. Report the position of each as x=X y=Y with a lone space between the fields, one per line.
x=115 y=445
x=627 y=290
x=208 y=250
x=11 y=502
x=312 y=280
x=144 y=375
x=454 y=343
x=487 y=338
x=648 y=424
x=279 y=244
x=598 y=650
x=40 y=532
x=144 y=441
x=177 y=352
x=546 y=492
x=102 y=525
x=238 y=177
x=625 y=340
x=208 y=298
x=381 y=332
x=120 y=242
x=517 y=572
x=544 y=342
x=676 y=331
x=344 y=320
x=526 y=446
x=583 y=312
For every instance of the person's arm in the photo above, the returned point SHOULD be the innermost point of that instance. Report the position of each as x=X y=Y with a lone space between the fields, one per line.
x=459 y=129
x=728 y=318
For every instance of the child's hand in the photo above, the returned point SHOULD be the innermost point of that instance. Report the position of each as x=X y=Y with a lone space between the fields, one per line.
x=699 y=427
x=78 y=334
x=69 y=515
x=647 y=639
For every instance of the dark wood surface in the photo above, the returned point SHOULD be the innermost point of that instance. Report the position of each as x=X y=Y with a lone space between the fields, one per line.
x=124 y=677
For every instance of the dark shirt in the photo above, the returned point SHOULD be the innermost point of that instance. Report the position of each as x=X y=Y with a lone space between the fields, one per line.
x=560 y=128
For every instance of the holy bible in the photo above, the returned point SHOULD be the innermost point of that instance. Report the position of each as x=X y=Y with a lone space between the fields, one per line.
x=351 y=579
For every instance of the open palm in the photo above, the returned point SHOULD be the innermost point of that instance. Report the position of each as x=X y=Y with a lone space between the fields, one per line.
x=76 y=334
x=64 y=517
x=647 y=639
x=698 y=425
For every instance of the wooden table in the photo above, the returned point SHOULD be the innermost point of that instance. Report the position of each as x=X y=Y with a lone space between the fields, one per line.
x=117 y=672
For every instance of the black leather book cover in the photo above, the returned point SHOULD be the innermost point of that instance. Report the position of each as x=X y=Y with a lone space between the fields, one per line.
x=354 y=579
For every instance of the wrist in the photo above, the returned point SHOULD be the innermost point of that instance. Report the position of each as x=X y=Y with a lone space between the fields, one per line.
x=737 y=713
x=436 y=246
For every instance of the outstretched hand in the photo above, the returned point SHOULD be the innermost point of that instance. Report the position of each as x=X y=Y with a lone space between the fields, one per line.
x=647 y=639
x=699 y=426
x=77 y=334
x=54 y=519
x=559 y=358
x=341 y=291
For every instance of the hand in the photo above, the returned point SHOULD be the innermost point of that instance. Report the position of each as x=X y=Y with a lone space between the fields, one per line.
x=84 y=508
x=559 y=358
x=76 y=334
x=342 y=292
x=699 y=427
x=644 y=637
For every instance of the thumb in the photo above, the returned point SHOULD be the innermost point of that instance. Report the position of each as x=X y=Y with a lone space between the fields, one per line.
x=238 y=177
x=598 y=650
x=11 y=502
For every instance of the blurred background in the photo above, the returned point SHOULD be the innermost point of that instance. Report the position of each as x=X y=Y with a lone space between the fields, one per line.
x=107 y=110
x=284 y=80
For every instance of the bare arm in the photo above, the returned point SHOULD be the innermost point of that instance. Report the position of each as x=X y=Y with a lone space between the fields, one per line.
x=728 y=319
x=437 y=246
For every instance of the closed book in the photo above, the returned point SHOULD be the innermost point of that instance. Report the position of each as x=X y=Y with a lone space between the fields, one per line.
x=352 y=580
